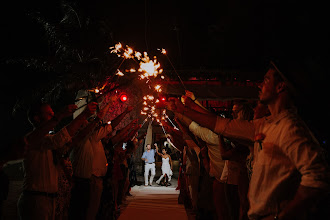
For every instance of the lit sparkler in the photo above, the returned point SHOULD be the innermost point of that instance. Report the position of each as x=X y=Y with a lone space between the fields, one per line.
x=144 y=121
x=119 y=73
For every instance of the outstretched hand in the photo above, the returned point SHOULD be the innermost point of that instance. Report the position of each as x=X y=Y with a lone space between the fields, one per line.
x=190 y=95
x=91 y=108
x=104 y=111
x=175 y=105
x=188 y=101
x=67 y=111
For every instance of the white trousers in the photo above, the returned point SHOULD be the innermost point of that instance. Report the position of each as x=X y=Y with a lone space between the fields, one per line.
x=147 y=168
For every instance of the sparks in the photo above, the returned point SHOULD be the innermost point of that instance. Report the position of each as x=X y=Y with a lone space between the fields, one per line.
x=158 y=88
x=119 y=73
x=128 y=53
x=163 y=51
x=116 y=48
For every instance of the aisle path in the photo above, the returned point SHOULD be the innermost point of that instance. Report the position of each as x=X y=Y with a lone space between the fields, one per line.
x=153 y=202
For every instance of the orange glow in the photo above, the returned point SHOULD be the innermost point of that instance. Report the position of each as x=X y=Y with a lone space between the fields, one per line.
x=119 y=73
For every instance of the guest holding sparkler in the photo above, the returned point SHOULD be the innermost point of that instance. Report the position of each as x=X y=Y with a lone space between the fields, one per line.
x=216 y=161
x=289 y=171
x=89 y=165
x=40 y=184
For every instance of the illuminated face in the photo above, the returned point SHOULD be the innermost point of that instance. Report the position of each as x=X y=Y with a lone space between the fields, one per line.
x=268 y=88
x=148 y=147
x=46 y=113
x=236 y=109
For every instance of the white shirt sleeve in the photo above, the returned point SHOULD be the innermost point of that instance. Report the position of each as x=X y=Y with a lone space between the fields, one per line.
x=102 y=132
x=55 y=141
x=204 y=133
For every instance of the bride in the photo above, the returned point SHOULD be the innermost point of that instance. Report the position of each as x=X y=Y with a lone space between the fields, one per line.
x=166 y=165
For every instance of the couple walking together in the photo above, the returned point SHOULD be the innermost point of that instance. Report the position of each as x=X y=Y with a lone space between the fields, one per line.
x=149 y=158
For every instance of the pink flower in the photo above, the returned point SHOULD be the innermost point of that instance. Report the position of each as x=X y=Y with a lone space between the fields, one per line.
x=259 y=138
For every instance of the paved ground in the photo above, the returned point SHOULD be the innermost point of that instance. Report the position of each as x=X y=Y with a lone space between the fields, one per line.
x=153 y=202
x=160 y=200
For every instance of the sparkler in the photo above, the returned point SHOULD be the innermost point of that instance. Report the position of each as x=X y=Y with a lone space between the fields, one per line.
x=169 y=141
x=171 y=122
x=163 y=51
x=144 y=121
x=148 y=68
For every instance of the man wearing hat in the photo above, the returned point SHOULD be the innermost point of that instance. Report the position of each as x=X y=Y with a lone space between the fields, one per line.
x=290 y=174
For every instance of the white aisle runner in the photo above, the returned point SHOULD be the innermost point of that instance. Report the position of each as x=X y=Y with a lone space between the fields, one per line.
x=150 y=202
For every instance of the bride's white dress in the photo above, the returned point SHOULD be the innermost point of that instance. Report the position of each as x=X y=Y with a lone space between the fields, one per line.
x=166 y=169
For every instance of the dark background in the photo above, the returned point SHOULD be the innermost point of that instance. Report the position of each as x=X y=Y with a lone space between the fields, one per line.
x=62 y=45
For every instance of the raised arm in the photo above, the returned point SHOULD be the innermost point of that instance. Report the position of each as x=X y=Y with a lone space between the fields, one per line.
x=133 y=132
x=37 y=134
x=192 y=102
x=238 y=129
x=122 y=134
x=157 y=150
x=115 y=122
x=205 y=120
x=64 y=135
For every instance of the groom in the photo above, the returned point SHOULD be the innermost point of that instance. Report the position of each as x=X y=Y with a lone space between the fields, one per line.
x=149 y=158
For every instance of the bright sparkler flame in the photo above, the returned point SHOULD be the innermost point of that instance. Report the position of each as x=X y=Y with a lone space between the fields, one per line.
x=150 y=68
x=128 y=53
x=119 y=73
x=157 y=88
x=116 y=48
x=163 y=51
x=147 y=68
x=138 y=55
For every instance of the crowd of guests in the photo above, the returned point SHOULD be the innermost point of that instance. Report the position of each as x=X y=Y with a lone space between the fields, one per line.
x=82 y=171
x=260 y=163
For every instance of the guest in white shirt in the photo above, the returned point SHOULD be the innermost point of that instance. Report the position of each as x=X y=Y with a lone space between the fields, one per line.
x=88 y=159
x=40 y=183
x=289 y=171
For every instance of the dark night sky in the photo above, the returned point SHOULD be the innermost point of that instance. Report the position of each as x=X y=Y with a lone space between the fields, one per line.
x=197 y=34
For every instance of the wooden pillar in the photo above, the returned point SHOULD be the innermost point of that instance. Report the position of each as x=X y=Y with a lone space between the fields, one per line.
x=148 y=139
